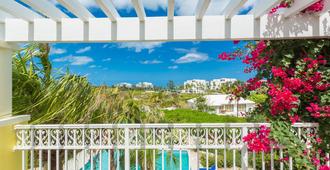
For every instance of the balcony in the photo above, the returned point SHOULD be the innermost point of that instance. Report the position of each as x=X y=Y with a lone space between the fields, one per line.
x=148 y=146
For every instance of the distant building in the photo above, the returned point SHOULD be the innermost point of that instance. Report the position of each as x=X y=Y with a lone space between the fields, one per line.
x=144 y=85
x=216 y=84
x=195 y=86
x=201 y=86
x=222 y=105
x=124 y=85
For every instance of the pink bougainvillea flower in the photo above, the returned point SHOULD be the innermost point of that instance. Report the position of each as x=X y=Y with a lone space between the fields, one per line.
x=313 y=107
x=294 y=119
x=316 y=7
x=285 y=159
x=316 y=161
x=282 y=100
x=278 y=72
x=259 y=141
x=236 y=41
x=224 y=56
x=324 y=167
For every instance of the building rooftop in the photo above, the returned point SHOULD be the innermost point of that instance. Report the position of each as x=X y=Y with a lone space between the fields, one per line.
x=221 y=99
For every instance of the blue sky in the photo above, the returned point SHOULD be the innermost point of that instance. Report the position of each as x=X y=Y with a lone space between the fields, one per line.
x=156 y=62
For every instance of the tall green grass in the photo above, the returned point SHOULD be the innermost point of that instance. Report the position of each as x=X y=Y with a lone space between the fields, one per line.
x=67 y=98
x=194 y=116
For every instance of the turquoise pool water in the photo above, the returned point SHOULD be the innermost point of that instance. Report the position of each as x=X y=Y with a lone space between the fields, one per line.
x=171 y=162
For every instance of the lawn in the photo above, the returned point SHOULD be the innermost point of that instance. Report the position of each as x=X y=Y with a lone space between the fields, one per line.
x=194 y=116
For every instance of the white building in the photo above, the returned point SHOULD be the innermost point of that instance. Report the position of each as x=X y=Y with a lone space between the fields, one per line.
x=124 y=85
x=144 y=85
x=222 y=104
x=195 y=86
x=216 y=84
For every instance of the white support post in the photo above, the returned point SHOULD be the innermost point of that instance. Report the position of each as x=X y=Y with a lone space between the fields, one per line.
x=244 y=151
x=4 y=15
x=139 y=9
x=201 y=8
x=109 y=9
x=77 y=9
x=15 y=9
x=170 y=9
x=232 y=8
x=127 y=143
x=6 y=52
x=46 y=8
x=262 y=7
x=298 y=6
x=9 y=159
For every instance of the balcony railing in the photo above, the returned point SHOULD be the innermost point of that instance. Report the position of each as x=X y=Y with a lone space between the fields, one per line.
x=147 y=146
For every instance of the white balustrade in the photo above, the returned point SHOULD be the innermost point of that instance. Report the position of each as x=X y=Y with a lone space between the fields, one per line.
x=148 y=146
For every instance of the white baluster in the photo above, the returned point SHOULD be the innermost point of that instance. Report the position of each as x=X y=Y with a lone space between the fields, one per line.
x=57 y=150
x=244 y=151
x=263 y=160
x=127 y=143
x=66 y=150
x=281 y=157
x=49 y=151
x=32 y=150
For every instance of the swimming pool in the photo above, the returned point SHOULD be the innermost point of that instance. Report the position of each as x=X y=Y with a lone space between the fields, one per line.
x=171 y=160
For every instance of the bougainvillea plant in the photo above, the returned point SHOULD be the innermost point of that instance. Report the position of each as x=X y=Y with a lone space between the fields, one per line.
x=296 y=74
x=297 y=77
x=316 y=7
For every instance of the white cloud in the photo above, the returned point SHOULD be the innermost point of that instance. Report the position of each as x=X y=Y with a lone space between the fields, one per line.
x=151 y=62
x=173 y=67
x=139 y=46
x=55 y=50
x=83 y=50
x=191 y=56
x=107 y=59
x=183 y=50
x=75 y=60
x=94 y=66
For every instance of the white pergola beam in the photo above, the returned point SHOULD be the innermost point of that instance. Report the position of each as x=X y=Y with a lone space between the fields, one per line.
x=139 y=9
x=77 y=9
x=298 y=6
x=201 y=8
x=170 y=9
x=4 y=16
x=263 y=6
x=184 y=28
x=46 y=8
x=232 y=8
x=326 y=7
x=109 y=9
x=15 y=9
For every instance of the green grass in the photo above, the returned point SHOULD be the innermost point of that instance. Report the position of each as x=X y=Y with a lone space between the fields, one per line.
x=194 y=116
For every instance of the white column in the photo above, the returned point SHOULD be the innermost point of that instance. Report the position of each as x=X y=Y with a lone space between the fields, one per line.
x=6 y=52
x=9 y=159
x=235 y=108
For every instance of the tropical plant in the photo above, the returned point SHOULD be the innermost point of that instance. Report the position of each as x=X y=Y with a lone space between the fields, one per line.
x=297 y=74
x=70 y=98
